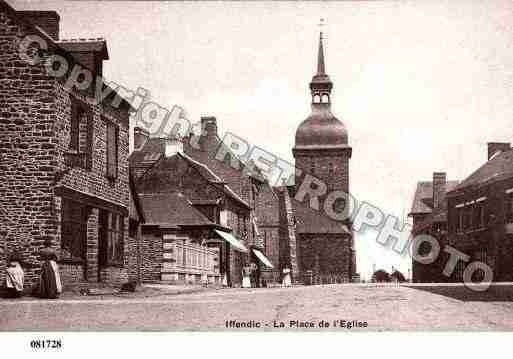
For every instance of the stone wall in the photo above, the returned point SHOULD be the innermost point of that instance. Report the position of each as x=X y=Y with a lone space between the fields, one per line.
x=151 y=256
x=35 y=113
x=326 y=254
x=27 y=151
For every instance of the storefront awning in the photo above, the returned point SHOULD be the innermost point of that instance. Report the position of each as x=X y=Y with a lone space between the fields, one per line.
x=237 y=245
x=263 y=258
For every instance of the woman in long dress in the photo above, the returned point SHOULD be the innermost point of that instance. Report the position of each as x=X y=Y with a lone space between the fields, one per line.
x=287 y=282
x=50 y=286
x=246 y=280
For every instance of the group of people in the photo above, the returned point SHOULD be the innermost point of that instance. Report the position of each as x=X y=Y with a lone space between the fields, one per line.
x=49 y=285
x=250 y=277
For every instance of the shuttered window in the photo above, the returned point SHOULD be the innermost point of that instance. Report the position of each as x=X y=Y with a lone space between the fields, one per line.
x=76 y=114
x=112 y=150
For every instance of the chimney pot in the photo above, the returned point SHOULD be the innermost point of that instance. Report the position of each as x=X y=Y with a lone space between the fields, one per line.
x=439 y=189
x=209 y=126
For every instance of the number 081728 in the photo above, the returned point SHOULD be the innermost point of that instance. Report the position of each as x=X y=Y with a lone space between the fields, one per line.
x=45 y=344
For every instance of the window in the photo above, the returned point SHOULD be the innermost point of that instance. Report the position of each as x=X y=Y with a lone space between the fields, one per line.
x=73 y=230
x=460 y=220
x=76 y=114
x=312 y=168
x=478 y=214
x=111 y=238
x=112 y=150
x=330 y=169
x=81 y=136
x=458 y=270
x=509 y=208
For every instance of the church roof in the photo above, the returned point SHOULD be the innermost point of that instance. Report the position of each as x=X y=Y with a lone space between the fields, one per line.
x=321 y=129
x=311 y=221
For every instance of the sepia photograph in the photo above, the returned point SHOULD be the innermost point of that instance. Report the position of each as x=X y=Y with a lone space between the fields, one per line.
x=255 y=166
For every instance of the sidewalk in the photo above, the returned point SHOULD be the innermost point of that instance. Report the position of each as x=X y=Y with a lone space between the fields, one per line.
x=146 y=290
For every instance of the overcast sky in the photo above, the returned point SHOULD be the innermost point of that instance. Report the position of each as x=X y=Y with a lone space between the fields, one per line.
x=420 y=86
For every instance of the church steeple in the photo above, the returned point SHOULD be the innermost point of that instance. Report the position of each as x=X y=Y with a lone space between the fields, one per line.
x=321 y=84
x=320 y=58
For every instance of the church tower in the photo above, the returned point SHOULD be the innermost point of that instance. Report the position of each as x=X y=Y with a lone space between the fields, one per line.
x=321 y=147
x=324 y=247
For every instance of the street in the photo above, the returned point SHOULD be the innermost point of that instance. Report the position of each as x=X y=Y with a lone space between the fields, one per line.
x=364 y=307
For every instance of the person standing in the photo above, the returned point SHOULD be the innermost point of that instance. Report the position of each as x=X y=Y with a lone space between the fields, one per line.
x=246 y=272
x=287 y=282
x=14 y=278
x=50 y=286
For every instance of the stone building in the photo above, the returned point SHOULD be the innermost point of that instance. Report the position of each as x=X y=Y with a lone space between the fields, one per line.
x=180 y=244
x=227 y=203
x=313 y=244
x=429 y=214
x=64 y=157
x=480 y=215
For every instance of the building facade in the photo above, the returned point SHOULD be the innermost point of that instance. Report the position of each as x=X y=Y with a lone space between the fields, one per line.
x=227 y=224
x=319 y=247
x=480 y=216
x=429 y=215
x=64 y=167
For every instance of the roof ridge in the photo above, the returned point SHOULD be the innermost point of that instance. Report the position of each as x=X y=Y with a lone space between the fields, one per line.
x=81 y=39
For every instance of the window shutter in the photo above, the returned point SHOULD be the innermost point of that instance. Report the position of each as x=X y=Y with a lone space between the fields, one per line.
x=112 y=150
x=74 y=130
x=89 y=141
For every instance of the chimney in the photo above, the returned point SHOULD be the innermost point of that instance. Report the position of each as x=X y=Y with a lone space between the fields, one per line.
x=140 y=137
x=209 y=126
x=439 y=189
x=48 y=21
x=497 y=147
x=173 y=146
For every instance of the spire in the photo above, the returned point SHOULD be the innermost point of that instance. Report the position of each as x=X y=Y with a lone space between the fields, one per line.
x=321 y=84
x=320 y=58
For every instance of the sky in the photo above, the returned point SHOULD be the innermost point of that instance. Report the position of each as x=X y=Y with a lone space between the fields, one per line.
x=421 y=86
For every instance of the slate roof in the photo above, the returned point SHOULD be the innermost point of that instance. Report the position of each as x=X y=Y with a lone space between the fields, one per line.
x=423 y=199
x=496 y=169
x=171 y=210
x=153 y=150
x=311 y=221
